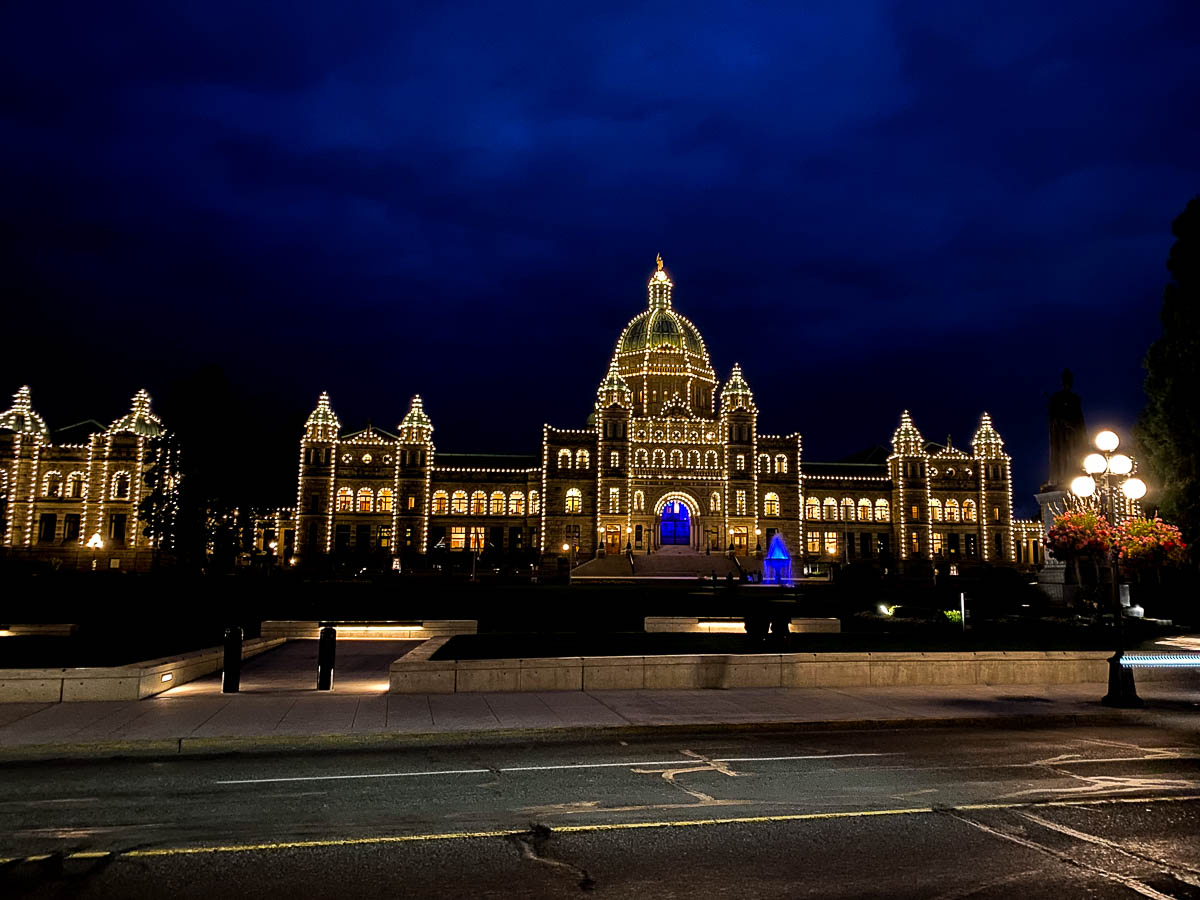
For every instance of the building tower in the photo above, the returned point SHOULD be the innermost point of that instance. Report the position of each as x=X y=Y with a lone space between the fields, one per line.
x=414 y=466
x=614 y=407
x=908 y=467
x=739 y=426
x=18 y=484
x=318 y=471
x=995 y=493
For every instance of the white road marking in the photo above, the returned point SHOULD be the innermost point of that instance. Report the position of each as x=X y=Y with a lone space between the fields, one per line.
x=551 y=768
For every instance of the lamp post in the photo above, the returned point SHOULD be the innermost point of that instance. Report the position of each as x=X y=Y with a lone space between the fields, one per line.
x=94 y=543
x=570 y=551
x=1110 y=466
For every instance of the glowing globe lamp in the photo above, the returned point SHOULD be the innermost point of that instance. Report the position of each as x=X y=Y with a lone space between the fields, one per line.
x=1107 y=441
x=1094 y=464
x=1134 y=489
x=1083 y=486
x=1120 y=464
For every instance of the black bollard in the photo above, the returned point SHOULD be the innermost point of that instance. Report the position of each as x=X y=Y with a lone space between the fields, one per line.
x=231 y=672
x=326 y=647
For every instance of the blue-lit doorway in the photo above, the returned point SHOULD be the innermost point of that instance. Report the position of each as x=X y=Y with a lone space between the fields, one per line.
x=676 y=525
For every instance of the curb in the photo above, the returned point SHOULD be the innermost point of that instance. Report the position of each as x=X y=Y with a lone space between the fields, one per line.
x=382 y=741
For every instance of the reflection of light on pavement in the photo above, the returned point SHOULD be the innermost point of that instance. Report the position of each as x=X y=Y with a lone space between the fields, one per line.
x=1181 y=642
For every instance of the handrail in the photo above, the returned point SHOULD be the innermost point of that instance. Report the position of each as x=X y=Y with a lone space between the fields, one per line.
x=629 y=556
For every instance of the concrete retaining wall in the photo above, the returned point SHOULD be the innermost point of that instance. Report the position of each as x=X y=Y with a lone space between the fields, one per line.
x=416 y=673
x=53 y=630
x=735 y=626
x=369 y=631
x=132 y=682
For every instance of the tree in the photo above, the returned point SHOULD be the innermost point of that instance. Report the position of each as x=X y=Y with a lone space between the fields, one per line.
x=159 y=509
x=1169 y=429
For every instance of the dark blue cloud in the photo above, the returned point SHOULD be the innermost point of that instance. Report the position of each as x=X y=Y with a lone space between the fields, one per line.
x=870 y=206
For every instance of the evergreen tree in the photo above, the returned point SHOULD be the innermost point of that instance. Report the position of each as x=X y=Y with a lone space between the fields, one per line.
x=158 y=511
x=1169 y=429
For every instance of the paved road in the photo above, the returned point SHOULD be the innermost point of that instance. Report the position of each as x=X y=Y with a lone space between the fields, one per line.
x=1111 y=812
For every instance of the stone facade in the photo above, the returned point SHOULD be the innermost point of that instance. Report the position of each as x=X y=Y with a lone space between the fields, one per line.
x=670 y=457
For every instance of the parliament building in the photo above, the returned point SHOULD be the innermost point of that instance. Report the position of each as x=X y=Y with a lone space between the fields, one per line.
x=672 y=458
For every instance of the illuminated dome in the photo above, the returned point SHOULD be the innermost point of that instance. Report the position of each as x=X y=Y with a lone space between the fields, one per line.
x=140 y=420
x=660 y=354
x=22 y=419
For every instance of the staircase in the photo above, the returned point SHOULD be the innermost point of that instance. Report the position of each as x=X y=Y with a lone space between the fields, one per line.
x=668 y=562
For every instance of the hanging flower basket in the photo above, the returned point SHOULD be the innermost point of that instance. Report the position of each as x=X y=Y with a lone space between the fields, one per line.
x=1080 y=534
x=1149 y=543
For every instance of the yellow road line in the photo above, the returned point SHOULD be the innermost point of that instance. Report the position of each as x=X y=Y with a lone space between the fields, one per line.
x=610 y=826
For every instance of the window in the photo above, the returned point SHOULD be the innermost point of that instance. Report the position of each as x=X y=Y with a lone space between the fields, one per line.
x=831 y=543
x=914 y=512
x=412 y=502
x=574 y=500
x=741 y=462
x=864 y=545
x=120 y=486
x=915 y=542
x=441 y=503
x=771 y=504
x=864 y=510
x=345 y=499
x=71 y=526
x=52 y=484
x=614 y=460
x=829 y=509
x=564 y=459
x=936 y=546
x=478 y=538
x=741 y=503
x=996 y=542
x=714 y=503
x=614 y=500
x=780 y=464
x=583 y=459
x=384 y=500
x=659 y=459
x=935 y=509
x=971 y=545
x=116 y=529
x=639 y=501
x=458 y=537
x=75 y=485
x=847 y=509
x=535 y=505
x=478 y=503
x=47 y=526
x=951 y=510
x=969 y=511
x=693 y=459
x=516 y=504
x=710 y=459
x=995 y=514
x=385 y=537
x=812 y=509
x=458 y=503
x=365 y=499
x=497 y=504
x=814 y=542
x=676 y=459
x=883 y=511
x=764 y=463
x=641 y=457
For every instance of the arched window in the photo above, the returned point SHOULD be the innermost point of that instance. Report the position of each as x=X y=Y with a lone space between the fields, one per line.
x=829 y=509
x=345 y=500
x=496 y=506
x=458 y=503
x=812 y=509
x=441 y=503
x=365 y=499
x=710 y=460
x=935 y=509
x=660 y=459
x=535 y=503
x=614 y=460
x=516 y=504
x=970 y=513
x=478 y=503
x=641 y=457
x=564 y=459
x=764 y=463
x=951 y=510
x=574 y=500
x=693 y=459
x=676 y=459
x=864 y=510
x=847 y=509
x=639 y=501
x=52 y=484
x=883 y=510
x=120 y=486
x=714 y=503
x=75 y=485
x=384 y=500
x=781 y=464
x=583 y=459
x=771 y=504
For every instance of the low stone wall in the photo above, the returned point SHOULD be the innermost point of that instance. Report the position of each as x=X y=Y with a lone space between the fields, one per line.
x=132 y=682
x=371 y=631
x=51 y=630
x=735 y=626
x=416 y=673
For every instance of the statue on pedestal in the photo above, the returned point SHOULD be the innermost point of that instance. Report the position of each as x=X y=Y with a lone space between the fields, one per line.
x=1068 y=435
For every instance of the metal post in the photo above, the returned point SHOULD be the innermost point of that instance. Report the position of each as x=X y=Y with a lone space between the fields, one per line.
x=231 y=671
x=326 y=650
x=1122 y=692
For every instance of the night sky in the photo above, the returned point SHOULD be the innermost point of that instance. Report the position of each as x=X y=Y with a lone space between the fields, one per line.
x=870 y=206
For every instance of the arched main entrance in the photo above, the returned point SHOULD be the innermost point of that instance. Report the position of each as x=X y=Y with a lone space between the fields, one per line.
x=676 y=525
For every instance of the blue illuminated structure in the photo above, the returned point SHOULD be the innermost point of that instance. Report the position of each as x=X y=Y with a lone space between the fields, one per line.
x=777 y=565
x=676 y=525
